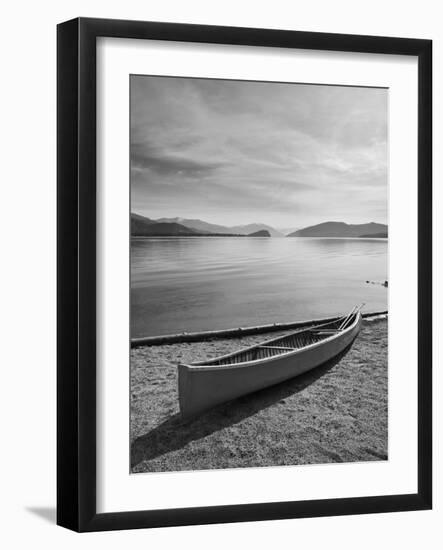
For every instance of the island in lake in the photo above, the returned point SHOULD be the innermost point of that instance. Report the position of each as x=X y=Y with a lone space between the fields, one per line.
x=261 y=233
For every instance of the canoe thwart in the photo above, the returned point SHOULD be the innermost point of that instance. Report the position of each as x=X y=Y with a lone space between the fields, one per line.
x=276 y=347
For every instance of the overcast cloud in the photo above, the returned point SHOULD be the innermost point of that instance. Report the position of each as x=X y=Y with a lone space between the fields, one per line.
x=233 y=152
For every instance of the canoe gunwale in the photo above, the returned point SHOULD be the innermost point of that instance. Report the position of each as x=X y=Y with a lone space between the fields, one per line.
x=204 y=366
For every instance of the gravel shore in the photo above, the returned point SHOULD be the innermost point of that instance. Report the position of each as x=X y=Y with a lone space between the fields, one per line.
x=336 y=413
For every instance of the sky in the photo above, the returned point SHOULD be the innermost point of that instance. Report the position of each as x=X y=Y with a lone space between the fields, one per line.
x=233 y=152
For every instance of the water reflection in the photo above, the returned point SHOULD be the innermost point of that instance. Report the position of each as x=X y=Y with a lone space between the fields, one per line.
x=186 y=284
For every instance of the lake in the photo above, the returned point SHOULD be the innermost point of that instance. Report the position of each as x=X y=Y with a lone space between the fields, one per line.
x=206 y=283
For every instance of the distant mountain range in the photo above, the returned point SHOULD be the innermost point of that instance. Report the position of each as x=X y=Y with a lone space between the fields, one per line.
x=341 y=229
x=145 y=227
x=205 y=227
x=165 y=227
x=198 y=225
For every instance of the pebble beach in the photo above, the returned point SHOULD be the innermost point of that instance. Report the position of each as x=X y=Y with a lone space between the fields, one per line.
x=335 y=413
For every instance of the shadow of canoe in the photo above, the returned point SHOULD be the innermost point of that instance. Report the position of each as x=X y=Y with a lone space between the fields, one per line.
x=174 y=433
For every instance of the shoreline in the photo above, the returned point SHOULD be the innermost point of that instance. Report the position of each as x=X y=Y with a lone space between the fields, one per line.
x=335 y=413
x=203 y=336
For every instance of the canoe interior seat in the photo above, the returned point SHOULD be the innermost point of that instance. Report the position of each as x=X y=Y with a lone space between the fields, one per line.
x=277 y=347
x=325 y=332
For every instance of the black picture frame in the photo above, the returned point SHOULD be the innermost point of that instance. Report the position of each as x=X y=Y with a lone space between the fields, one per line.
x=76 y=295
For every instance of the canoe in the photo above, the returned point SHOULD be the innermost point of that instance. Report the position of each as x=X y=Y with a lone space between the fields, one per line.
x=205 y=384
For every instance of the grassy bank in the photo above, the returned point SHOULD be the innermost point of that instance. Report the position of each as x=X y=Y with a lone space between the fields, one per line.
x=336 y=413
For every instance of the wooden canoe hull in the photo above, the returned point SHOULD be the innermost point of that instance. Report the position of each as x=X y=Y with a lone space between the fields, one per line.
x=203 y=387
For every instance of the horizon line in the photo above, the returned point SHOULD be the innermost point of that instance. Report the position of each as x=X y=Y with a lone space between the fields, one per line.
x=256 y=223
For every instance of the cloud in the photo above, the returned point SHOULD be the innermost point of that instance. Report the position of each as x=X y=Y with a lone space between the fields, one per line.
x=248 y=151
x=146 y=158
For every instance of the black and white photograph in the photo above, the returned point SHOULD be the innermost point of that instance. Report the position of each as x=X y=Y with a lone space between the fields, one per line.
x=222 y=317
x=259 y=274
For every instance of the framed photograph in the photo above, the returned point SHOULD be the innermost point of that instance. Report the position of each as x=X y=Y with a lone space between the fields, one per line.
x=244 y=274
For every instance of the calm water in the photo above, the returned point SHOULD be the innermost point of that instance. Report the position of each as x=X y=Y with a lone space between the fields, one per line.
x=191 y=284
